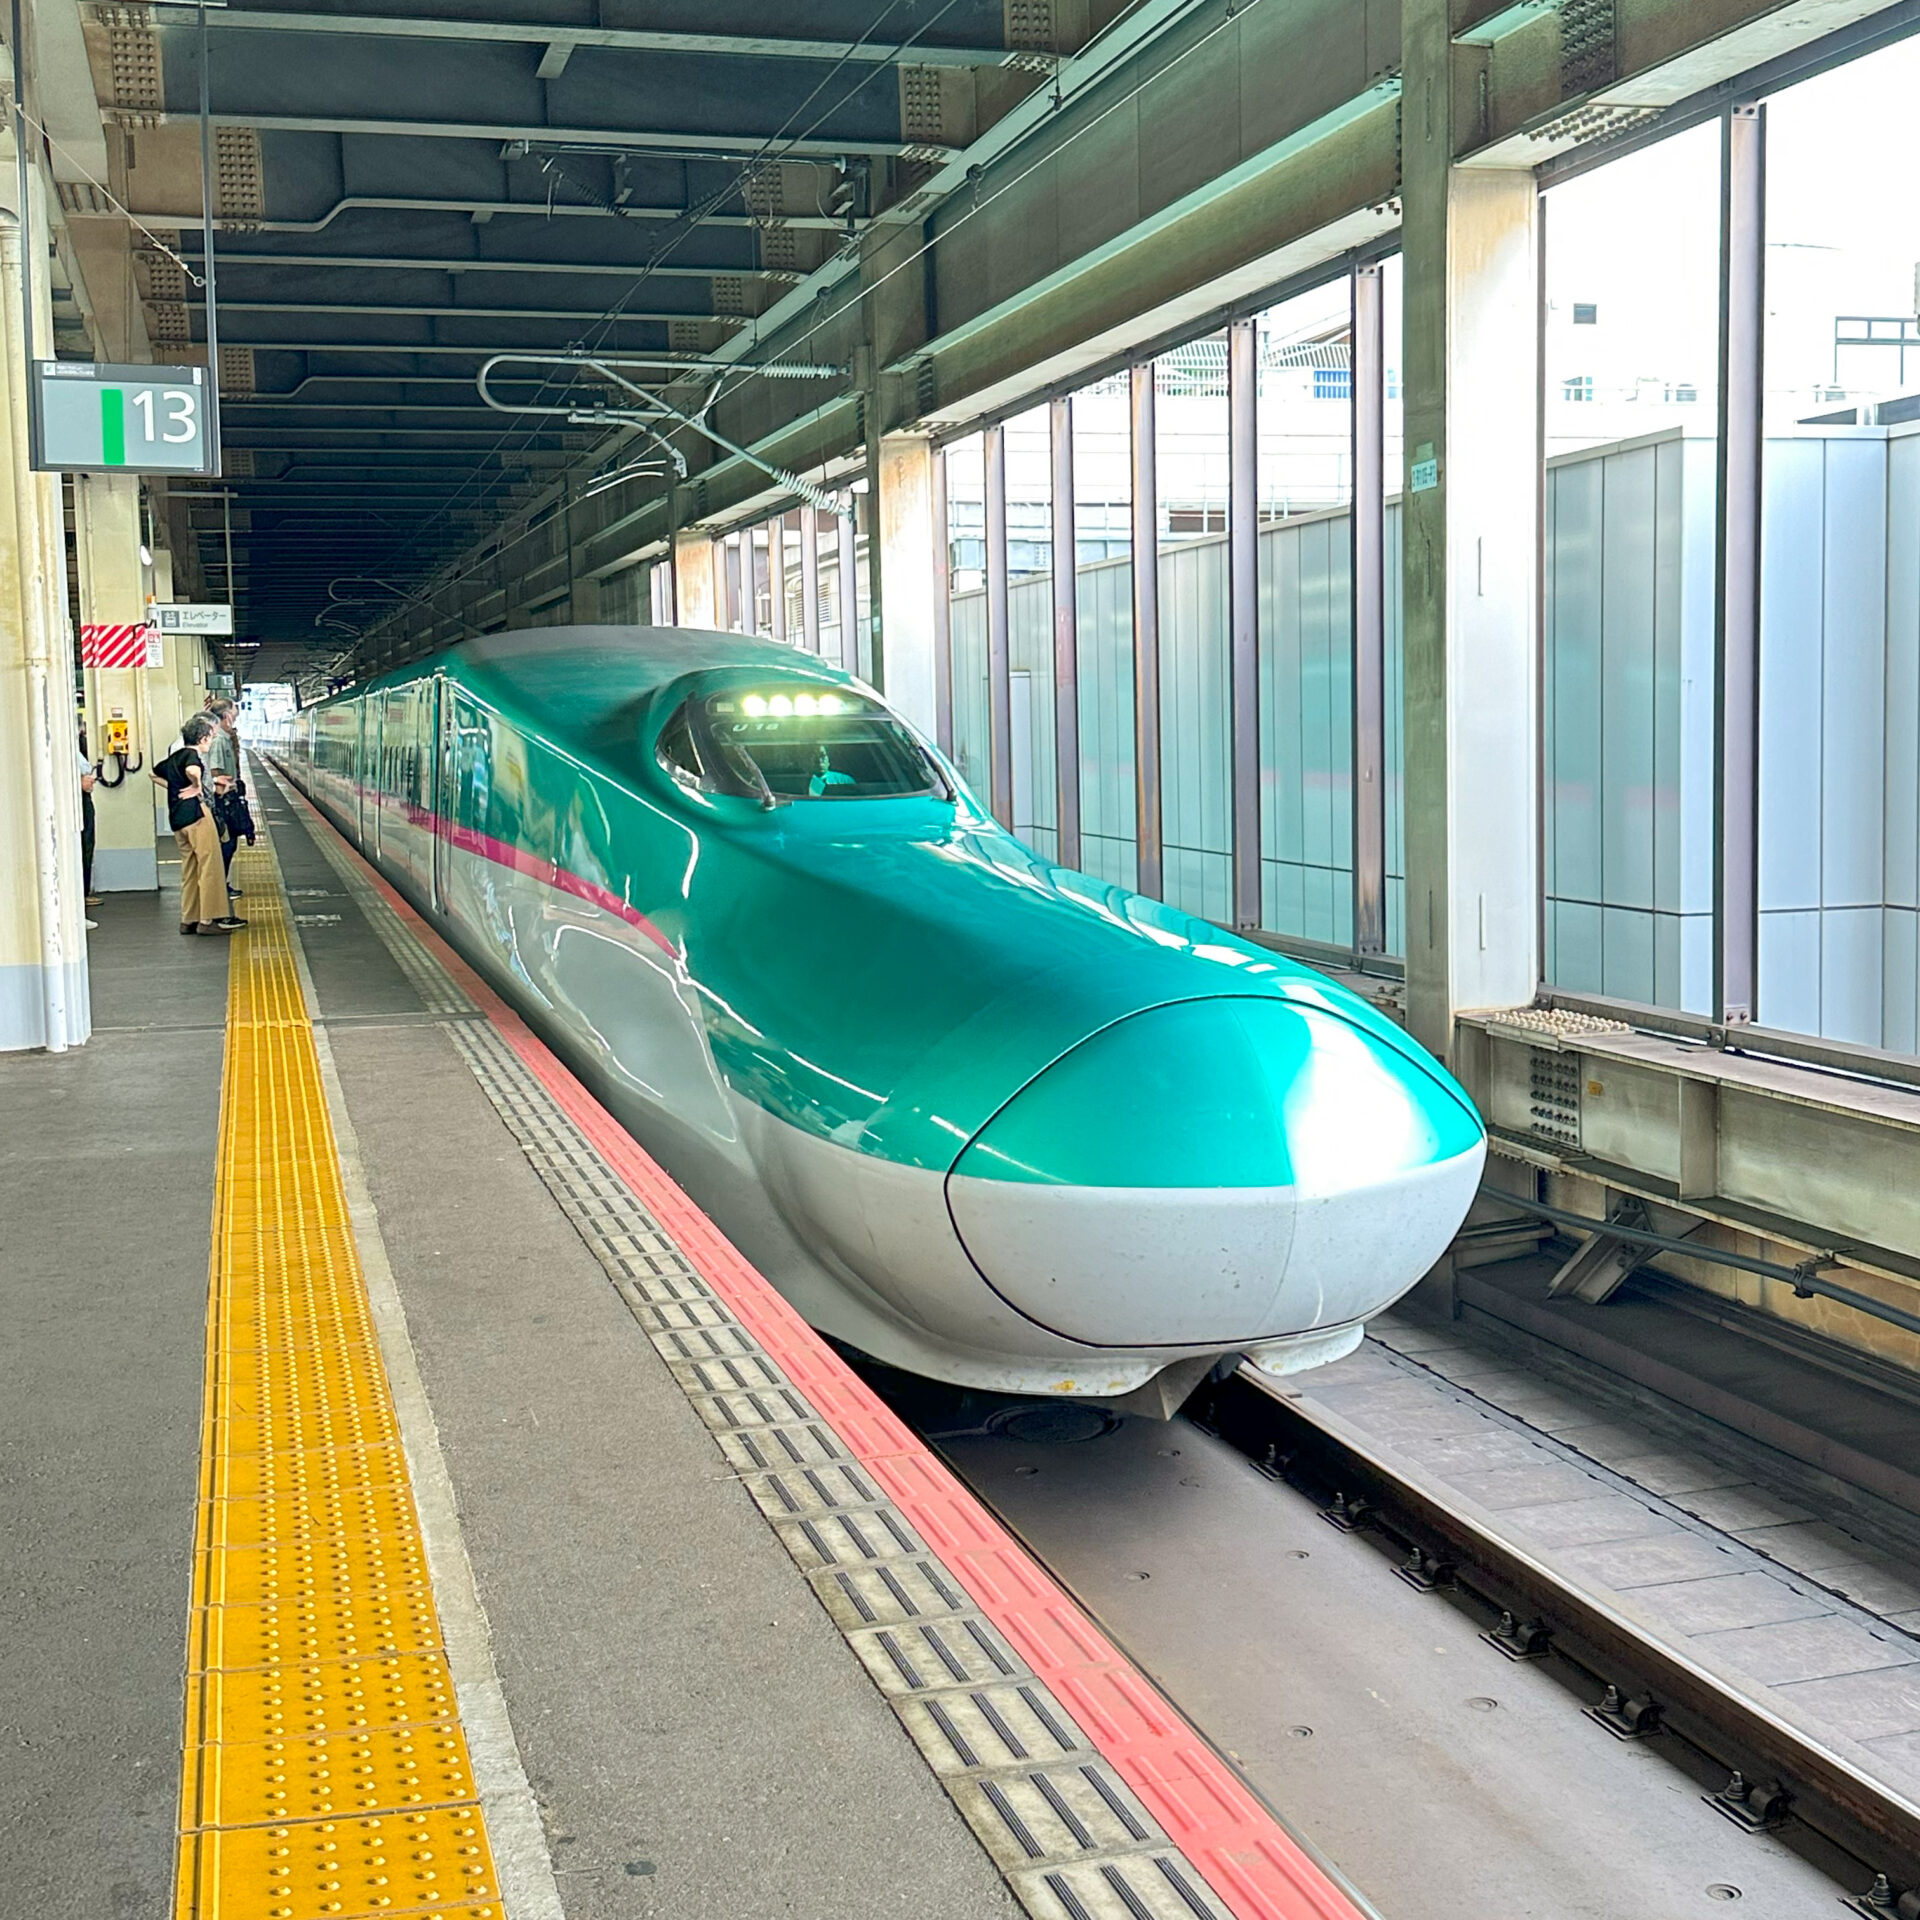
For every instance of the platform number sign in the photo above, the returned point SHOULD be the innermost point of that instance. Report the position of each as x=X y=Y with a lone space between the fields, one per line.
x=89 y=417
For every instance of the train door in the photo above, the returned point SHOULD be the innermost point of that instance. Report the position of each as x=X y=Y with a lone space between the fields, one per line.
x=358 y=771
x=373 y=775
x=445 y=796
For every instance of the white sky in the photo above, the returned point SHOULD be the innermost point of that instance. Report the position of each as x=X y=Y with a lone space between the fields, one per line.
x=1639 y=238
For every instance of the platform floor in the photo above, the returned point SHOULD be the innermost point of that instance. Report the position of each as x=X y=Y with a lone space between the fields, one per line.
x=682 y=1690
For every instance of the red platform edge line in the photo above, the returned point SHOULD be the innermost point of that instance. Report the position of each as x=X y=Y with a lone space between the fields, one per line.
x=1246 y=1856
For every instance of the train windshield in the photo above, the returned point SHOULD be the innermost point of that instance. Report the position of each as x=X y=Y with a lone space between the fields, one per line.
x=787 y=744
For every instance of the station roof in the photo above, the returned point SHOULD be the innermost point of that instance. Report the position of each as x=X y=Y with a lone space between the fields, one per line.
x=405 y=188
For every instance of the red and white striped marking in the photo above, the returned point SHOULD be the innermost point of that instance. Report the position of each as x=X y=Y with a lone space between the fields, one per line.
x=103 y=645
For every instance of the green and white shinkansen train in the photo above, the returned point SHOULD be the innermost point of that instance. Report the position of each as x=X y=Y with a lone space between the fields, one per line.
x=976 y=1115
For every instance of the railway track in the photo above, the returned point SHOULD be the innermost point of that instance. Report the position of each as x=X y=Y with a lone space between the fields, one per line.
x=1774 y=1775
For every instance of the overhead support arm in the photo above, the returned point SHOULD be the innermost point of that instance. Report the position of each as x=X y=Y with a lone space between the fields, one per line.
x=655 y=408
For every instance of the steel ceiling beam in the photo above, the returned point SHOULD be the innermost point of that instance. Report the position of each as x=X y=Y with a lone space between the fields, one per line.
x=531 y=210
x=759 y=46
x=476 y=351
x=412 y=309
x=691 y=144
x=231 y=257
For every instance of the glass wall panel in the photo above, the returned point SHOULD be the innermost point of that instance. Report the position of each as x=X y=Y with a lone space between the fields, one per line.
x=1103 y=536
x=1029 y=451
x=1394 y=467
x=863 y=581
x=1191 y=481
x=967 y=606
x=727 y=553
x=1840 y=560
x=1631 y=424
x=761 y=561
x=826 y=527
x=1303 y=352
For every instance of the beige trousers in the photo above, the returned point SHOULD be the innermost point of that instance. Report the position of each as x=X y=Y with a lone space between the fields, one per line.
x=203 y=879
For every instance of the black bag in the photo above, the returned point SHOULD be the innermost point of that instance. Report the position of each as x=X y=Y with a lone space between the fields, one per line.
x=231 y=814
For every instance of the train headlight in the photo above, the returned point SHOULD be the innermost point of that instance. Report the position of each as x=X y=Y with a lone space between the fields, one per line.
x=780 y=704
x=805 y=703
x=753 y=705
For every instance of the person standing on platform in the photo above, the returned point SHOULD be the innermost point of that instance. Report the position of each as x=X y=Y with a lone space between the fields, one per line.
x=88 y=774
x=203 y=901
x=223 y=762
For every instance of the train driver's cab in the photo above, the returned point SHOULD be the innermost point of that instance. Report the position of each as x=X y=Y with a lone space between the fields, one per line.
x=779 y=744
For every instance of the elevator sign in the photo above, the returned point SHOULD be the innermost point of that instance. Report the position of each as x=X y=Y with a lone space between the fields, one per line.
x=89 y=417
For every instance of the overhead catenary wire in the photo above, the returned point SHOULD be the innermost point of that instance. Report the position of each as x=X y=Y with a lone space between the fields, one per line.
x=746 y=371
x=770 y=151
x=751 y=370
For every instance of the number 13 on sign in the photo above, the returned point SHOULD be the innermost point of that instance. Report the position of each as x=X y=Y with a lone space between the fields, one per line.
x=180 y=408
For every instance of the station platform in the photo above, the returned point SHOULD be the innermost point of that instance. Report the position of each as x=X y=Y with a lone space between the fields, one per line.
x=420 y=1507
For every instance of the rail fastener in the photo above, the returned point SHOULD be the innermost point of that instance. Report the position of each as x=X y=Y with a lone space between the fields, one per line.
x=1758 y=1808
x=1519 y=1639
x=1627 y=1716
x=1534 y=1612
x=1881 y=1902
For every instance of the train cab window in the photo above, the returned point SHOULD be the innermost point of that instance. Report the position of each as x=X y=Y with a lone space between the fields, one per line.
x=805 y=744
x=679 y=755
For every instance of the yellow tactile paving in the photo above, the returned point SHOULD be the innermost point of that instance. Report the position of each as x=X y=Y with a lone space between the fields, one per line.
x=325 y=1776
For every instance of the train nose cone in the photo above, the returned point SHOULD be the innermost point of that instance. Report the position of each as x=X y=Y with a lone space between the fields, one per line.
x=1217 y=1171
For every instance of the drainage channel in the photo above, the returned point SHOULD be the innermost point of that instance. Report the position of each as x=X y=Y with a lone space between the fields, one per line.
x=1436 y=1774
x=1772 y=1778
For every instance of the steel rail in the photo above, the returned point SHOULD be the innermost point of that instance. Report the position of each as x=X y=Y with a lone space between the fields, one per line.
x=1537 y=1612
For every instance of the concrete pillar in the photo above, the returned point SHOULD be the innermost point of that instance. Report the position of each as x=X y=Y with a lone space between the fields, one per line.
x=113 y=593
x=909 y=576
x=694 y=584
x=1471 y=559
x=43 y=947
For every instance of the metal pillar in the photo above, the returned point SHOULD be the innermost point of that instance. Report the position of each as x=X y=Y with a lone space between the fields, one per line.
x=44 y=995
x=913 y=592
x=1369 y=616
x=1471 y=554
x=810 y=579
x=942 y=607
x=1736 y=838
x=849 y=593
x=1243 y=600
x=1066 y=639
x=999 y=620
x=1149 y=858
